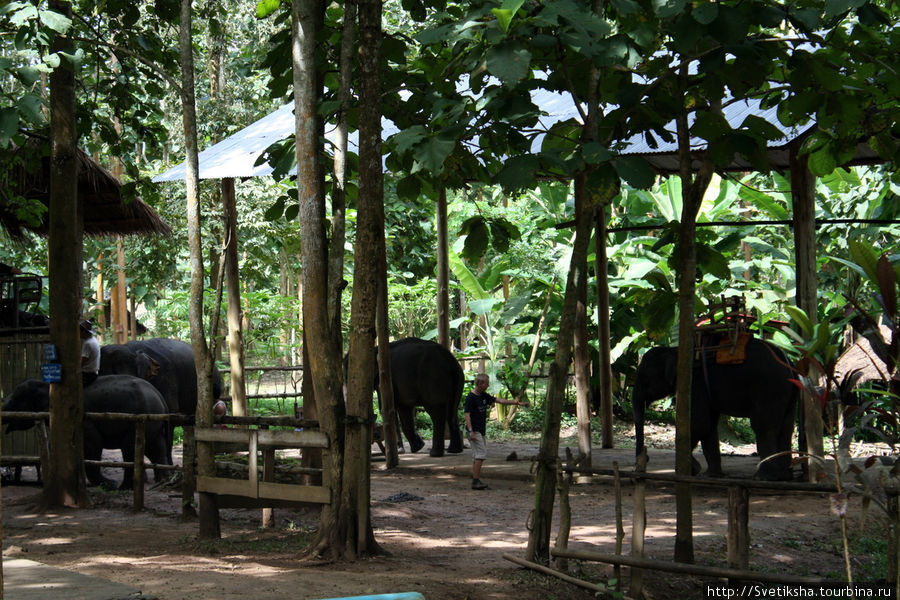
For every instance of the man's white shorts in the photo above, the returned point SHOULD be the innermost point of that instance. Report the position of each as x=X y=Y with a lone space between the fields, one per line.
x=479 y=447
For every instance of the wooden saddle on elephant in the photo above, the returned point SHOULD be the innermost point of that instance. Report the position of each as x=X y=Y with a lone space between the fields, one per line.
x=725 y=330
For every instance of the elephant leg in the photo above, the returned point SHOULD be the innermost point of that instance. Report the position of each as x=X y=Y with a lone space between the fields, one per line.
x=158 y=453
x=774 y=439
x=93 y=450
x=707 y=433
x=409 y=428
x=438 y=422
x=456 y=442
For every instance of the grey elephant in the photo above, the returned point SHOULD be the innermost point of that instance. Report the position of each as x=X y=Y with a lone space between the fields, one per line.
x=759 y=388
x=166 y=363
x=107 y=394
x=426 y=374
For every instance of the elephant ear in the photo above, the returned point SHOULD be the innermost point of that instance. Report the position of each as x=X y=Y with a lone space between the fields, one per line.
x=152 y=366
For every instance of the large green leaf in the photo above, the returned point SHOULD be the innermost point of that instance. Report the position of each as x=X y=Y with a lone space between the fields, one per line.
x=466 y=278
x=432 y=153
x=510 y=62
x=636 y=171
x=506 y=12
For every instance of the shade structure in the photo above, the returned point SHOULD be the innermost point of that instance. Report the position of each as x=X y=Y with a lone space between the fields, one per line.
x=106 y=211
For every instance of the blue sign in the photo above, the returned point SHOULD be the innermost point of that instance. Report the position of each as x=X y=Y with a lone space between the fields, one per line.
x=50 y=353
x=51 y=372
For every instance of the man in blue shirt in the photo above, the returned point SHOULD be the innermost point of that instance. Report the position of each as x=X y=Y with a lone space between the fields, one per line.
x=477 y=407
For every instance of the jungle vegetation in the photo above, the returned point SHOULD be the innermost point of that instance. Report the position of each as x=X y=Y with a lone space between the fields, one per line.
x=634 y=68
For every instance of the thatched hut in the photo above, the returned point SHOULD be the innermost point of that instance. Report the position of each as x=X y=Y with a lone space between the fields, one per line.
x=25 y=175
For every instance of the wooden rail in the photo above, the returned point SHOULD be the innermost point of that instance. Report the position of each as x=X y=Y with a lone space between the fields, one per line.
x=738 y=537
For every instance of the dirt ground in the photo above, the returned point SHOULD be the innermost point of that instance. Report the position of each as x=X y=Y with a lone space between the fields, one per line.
x=440 y=537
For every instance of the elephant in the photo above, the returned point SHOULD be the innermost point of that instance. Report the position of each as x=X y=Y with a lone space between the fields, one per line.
x=107 y=394
x=758 y=388
x=166 y=363
x=426 y=374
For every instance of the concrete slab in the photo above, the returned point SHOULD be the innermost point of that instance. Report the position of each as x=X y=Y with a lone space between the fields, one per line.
x=29 y=580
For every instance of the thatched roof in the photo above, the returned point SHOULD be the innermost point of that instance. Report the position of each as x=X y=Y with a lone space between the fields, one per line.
x=26 y=174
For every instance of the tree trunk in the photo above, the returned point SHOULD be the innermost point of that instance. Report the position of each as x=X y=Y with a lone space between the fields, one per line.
x=64 y=485
x=324 y=367
x=443 y=271
x=233 y=283
x=209 y=517
x=604 y=372
x=582 y=359
x=538 y=549
x=803 y=203
x=693 y=187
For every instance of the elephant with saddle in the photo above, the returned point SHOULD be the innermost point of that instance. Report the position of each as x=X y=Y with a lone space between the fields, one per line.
x=166 y=363
x=758 y=387
x=107 y=394
x=426 y=374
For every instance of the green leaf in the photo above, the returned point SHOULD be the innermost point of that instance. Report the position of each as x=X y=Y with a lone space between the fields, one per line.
x=822 y=161
x=55 y=21
x=800 y=318
x=264 y=8
x=466 y=278
x=518 y=172
x=484 y=306
x=636 y=171
x=510 y=62
x=595 y=153
x=432 y=153
x=476 y=239
x=9 y=124
x=669 y=8
x=705 y=13
x=409 y=188
x=865 y=257
x=838 y=7
x=276 y=211
x=506 y=12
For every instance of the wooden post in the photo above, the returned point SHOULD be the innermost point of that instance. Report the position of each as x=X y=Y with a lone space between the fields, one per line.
x=893 y=556
x=639 y=525
x=738 y=529
x=268 y=514
x=140 y=441
x=601 y=269
x=188 y=473
x=620 y=528
x=565 y=511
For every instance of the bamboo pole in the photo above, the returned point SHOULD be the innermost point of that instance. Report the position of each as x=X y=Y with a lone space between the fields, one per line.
x=689 y=569
x=140 y=443
x=595 y=587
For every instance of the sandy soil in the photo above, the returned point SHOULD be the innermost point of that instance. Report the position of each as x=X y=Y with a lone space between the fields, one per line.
x=440 y=538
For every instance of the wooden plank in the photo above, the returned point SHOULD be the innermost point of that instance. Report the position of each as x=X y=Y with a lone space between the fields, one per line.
x=690 y=569
x=215 y=434
x=221 y=485
x=253 y=459
x=738 y=527
x=295 y=493
x=230 y=501
x=281 y=438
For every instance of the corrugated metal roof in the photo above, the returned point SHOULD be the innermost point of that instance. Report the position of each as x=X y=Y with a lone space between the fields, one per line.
x=236 y=155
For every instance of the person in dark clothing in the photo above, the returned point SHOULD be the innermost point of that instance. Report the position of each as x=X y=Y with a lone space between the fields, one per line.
x=90 y=354
x=477 y=407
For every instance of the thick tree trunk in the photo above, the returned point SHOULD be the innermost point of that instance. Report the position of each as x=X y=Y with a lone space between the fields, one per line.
x=234 y=313
x=538 y=549
x=65 y=485
x=209 y=517
x=367 y=282
x=324 y=366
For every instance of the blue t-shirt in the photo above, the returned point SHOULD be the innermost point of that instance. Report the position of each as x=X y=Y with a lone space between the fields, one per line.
x=478 y=407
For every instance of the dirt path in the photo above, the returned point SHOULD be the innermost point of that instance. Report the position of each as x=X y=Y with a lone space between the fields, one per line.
x=444 y=539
